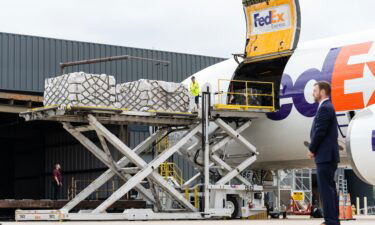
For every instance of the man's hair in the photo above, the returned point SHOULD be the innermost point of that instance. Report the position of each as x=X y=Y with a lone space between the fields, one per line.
x=192 y=77
x=324 y=85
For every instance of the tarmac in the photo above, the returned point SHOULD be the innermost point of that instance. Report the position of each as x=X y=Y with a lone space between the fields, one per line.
x=292 y=220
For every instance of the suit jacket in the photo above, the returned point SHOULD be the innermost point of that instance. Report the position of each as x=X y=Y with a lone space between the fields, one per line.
x=324 y=134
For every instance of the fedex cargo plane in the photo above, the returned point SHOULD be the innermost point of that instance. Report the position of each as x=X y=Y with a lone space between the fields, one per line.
x=347 y=62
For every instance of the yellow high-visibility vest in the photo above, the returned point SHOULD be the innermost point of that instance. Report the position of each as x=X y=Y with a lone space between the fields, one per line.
x=194 y=89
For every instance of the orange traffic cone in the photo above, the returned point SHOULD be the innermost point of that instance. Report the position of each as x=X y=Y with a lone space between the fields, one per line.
x=348 y=208
x=341 y=207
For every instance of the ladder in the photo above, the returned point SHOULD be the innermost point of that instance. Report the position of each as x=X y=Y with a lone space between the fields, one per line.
x=343 y=120
x=342 y=184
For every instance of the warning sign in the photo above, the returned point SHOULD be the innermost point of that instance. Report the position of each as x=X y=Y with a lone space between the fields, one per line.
x=298 y=196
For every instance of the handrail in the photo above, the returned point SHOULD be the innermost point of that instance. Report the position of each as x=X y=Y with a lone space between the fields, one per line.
x=249 y=96
x=168 y=169
x=73 y=188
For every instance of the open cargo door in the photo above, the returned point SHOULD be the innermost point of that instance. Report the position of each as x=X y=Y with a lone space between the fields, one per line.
x=273 y=28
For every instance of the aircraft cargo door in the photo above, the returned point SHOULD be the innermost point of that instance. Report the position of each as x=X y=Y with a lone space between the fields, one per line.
x=273 y=29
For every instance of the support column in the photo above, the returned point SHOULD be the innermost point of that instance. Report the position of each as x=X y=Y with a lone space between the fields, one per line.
x=358 y=207
x=206 y=145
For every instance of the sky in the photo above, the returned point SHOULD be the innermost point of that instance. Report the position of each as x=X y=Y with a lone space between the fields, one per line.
x=204 y=27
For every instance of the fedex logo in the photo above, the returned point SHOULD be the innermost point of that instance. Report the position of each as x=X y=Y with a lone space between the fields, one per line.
x=353 y=78
x=351 y=72
x=272 y=18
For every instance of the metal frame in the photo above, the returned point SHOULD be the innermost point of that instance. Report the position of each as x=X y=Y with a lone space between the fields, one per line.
x=147 y=170
x=108 y=59
x=107 y=175
x=109 y=116
x=94 y=120
x=247 y=106
x=301 y=176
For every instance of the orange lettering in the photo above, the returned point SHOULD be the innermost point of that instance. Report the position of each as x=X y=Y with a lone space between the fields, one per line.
x=371 y=66
x=342 y=72
x=281 y=17
x=274 y=15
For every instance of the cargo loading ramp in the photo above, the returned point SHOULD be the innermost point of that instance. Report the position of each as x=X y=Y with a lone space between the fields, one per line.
x=79 y=120
x=109 y=116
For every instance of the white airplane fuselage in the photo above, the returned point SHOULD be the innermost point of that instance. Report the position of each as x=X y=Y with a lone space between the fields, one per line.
x=347 y=62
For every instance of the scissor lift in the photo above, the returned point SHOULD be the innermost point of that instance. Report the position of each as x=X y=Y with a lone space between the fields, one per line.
x=79 y=120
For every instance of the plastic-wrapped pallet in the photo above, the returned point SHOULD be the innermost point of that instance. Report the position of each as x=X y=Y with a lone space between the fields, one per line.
x=144 y=95
x=80 y=89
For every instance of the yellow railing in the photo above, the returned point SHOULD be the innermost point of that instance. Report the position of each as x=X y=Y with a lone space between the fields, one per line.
x=195 y=195
x=248 y=95
x=76 y=186
x=162 y=144
x=168 y=169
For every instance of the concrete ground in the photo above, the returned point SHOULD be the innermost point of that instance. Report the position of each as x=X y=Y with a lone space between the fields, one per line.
x=295 y=220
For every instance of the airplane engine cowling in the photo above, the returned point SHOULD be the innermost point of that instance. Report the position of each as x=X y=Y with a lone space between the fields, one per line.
x=360 y=144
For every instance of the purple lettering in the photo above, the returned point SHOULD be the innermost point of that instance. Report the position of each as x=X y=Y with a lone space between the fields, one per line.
x=286 y=92
x=261 y=21
x=296 y=91
x=256 y=19
x=268 y=19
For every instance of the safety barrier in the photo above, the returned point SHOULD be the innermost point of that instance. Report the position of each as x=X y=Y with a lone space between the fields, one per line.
x=169 y=169
x=245 y=95
x=77 y=185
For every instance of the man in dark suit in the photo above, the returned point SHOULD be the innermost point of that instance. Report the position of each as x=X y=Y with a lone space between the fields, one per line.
x=325 y=150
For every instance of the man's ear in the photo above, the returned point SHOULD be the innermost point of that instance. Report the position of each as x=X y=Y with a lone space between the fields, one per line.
x=322 y=92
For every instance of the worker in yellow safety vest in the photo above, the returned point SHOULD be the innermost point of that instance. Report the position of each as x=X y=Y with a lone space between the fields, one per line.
x=194 y=90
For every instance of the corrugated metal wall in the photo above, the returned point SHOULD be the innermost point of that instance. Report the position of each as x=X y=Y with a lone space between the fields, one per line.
x=25 y=61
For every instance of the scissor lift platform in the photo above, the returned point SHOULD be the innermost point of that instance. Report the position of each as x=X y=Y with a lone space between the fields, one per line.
x=79 y=120
x=122 y=116
x=109 y=116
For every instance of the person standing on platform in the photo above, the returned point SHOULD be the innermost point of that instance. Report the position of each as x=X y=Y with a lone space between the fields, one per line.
x=324 y=149
x=57 y=181
x=194 y=91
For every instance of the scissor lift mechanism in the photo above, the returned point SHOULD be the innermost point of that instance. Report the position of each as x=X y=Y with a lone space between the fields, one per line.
x=78 y=120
